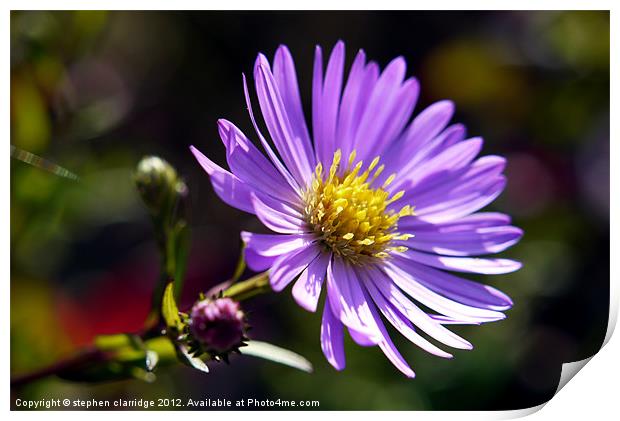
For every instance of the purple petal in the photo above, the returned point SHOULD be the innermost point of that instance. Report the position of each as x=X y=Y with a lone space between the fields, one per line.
x=466 y=204
x=362 y=339
x=317 y=101
x=293 y=151
x=354 y=294
x=353 y=111
x=466 y=243
x=325 y=133
x=277 y=221
x=450 y=136
x=345 y=302
x=349 y=112
x=382 y=283
x=458 y=289
x=286 y=80
x=434 y=301
x=256 y=262
x=400 y=113
x=464 y=264
x=229 y=188
x=447 y=162
x=445 y=198
x=402 y=324
x=307 y=288
x=466 y=178
x=332 y=338
x=379 y=107
x=288 y=266
x=428 y=124
x=270 y=245
x=405 y=155
x=470 y=222
x=388 y=348
x=444 y=320
x=276 y=161
x=251 y=166
x=291 y=210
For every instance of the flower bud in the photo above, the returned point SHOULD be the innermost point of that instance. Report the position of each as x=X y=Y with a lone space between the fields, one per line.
x=218 y=325
x=158 y=183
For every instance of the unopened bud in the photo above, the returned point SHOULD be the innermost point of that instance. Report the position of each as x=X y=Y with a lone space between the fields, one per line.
x=158 y=183
x=218 y=325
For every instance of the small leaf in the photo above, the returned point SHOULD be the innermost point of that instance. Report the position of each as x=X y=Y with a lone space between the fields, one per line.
x=136 y=342
x=190 y=360
x=151 y=360
x=169 y=309
x=276 y=354
x=112 y=342
x=164 y=348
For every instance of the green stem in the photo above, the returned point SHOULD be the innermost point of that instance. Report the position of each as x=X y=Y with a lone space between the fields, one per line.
x=249 y=288
x=240 y=268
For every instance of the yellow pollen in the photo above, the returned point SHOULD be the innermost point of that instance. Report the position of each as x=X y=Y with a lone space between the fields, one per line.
x=351 y=216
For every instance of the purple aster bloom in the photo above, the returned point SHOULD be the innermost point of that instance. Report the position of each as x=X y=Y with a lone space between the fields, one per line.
x=375 y=207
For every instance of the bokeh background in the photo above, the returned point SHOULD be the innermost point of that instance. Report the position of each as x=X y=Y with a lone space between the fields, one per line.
x=95 y=91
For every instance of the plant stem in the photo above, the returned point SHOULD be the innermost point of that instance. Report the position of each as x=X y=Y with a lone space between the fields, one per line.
x=249 y=288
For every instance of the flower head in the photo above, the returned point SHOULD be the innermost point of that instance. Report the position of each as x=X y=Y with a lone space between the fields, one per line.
x=217 y=325
x=375 y=207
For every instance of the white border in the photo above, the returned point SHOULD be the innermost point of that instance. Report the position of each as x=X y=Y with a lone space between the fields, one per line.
x=592 y=394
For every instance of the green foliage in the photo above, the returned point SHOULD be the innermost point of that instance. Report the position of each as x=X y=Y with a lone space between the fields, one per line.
x=276 y=354
x=166 y=338
x=187 y=358
x=169 y=310
x=121 y=356
x=164 y=192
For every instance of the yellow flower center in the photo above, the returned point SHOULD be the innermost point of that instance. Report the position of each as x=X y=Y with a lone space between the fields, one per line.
x=349 y=215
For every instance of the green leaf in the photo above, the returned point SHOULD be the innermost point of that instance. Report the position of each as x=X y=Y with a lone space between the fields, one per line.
x=164 y=348
x=169 y=309
x=190 y=360
x=112 y=342
x=276 y=354
x=124 y=360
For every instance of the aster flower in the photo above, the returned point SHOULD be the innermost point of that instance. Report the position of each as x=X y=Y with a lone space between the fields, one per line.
x=218 y=325
x=376 y=208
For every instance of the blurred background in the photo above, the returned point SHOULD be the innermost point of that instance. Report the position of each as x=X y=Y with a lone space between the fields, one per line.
x=95 y=91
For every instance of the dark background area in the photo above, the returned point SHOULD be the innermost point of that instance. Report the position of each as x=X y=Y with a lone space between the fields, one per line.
x=95 y=91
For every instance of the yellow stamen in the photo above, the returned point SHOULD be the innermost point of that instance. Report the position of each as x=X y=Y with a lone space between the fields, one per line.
x=389 y=180
x=351 y=216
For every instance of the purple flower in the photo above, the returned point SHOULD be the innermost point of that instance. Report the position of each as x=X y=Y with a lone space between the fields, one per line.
x=218 y=325
x=374 y=208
